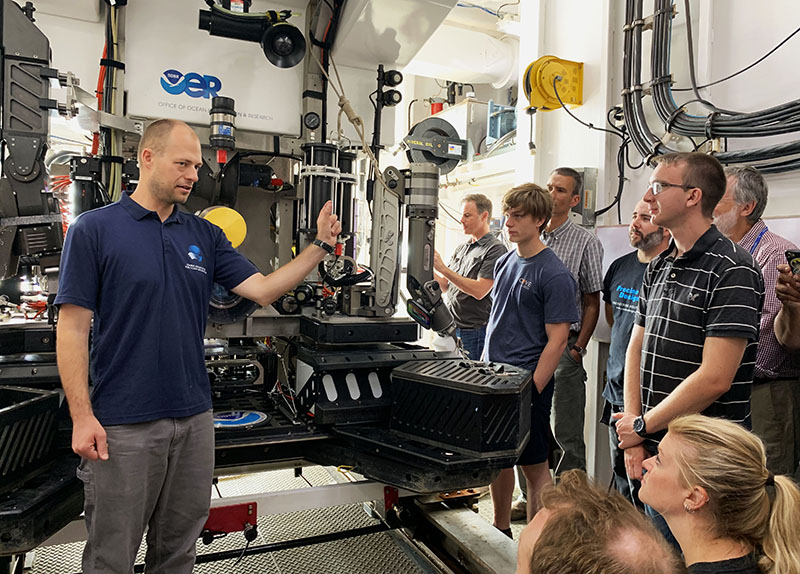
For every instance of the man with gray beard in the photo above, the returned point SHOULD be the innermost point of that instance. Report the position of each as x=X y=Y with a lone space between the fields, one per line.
x=621 y=286
x=775 y=397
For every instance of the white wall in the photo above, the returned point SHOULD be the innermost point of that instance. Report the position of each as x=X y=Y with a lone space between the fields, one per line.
x=574 y=30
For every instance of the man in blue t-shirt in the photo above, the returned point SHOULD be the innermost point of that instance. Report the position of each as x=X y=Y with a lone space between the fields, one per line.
x=533 y=304
x=621 y=287
x=139 y=273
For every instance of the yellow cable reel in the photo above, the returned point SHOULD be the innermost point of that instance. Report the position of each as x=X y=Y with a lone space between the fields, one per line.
x=538 y=83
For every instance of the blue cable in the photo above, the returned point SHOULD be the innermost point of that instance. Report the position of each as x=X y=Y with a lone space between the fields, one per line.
x=495 y=14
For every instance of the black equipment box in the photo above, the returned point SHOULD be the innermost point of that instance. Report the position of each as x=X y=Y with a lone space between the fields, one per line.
x=466 y=405
x=344 y=385
x=348 y=330
x=27 y=432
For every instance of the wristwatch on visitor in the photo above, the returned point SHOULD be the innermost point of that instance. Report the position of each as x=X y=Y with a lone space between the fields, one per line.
x=639 y=426
x=327 y=247
x=578 y=349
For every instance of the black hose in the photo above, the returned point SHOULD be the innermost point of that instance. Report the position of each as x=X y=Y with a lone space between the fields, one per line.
x=780 y=119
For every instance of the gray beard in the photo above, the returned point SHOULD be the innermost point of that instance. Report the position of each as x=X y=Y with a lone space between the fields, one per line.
x=726 y=222
x=647 y=242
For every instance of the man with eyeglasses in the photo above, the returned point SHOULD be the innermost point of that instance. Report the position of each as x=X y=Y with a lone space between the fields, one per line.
x=693 y=346
x=775 y=398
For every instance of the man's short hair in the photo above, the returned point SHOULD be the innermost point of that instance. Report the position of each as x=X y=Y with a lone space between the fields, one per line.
x=155 y=135
x=703 y=171
x=748 y=185
x=529 y=199
x=593 y=532
x=574 y=174
x=482 y=203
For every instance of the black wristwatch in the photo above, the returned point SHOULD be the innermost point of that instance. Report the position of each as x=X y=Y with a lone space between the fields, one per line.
x=580 y=350
x=639 y=426
x=325 y=246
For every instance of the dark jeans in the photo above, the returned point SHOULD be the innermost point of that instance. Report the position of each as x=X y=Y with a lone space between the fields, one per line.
x=472 y=340
x=626 y=486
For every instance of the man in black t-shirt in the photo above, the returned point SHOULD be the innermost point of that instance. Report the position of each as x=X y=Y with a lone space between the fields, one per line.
x=621 y=287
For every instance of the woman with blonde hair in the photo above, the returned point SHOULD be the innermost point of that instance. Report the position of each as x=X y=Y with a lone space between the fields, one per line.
x=727 y=511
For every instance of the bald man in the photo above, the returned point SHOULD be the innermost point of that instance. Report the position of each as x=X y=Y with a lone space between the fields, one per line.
x=582 y=529
x=140 y=272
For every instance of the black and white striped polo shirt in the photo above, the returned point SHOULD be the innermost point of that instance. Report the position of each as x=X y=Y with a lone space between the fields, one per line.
x=713 y=290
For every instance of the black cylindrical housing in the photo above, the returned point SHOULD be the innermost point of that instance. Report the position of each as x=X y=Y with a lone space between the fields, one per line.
x=344 y=191
x=223 y=123
x=320 y=174
x=319 y=154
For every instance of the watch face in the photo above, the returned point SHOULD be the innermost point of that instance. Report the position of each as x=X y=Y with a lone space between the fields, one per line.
x=638 y=425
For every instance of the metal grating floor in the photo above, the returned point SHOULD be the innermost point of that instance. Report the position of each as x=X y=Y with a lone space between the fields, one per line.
x=380 y=553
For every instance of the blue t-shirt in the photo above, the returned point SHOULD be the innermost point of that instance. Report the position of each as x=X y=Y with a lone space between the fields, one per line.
x=621 y=287
x=148 y=284
x=526 y=295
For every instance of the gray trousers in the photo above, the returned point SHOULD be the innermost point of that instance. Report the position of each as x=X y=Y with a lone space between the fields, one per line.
x=158 y=476
x=775 y=410
x=569 y=409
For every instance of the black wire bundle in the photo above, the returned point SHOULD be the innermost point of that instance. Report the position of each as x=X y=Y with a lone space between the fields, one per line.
x=623 y=158
x=719 y=123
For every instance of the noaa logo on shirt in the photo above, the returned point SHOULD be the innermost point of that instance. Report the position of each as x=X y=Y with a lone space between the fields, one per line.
x=195 y=254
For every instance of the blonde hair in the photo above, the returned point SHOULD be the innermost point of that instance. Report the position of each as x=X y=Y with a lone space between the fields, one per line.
x=730 y=463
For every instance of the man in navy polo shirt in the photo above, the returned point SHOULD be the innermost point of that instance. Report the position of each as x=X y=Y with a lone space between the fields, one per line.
x=144 y=270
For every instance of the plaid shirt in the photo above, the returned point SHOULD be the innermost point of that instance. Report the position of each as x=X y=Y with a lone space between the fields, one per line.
x=582 y=253
x=772 y=359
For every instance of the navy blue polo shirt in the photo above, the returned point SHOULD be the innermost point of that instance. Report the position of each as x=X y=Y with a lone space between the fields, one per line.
x=148 y=284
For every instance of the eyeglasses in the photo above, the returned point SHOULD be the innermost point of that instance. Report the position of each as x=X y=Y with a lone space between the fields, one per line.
x=658 y=186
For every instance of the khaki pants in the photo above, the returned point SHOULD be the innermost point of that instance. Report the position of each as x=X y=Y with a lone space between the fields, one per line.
x=776 y=420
